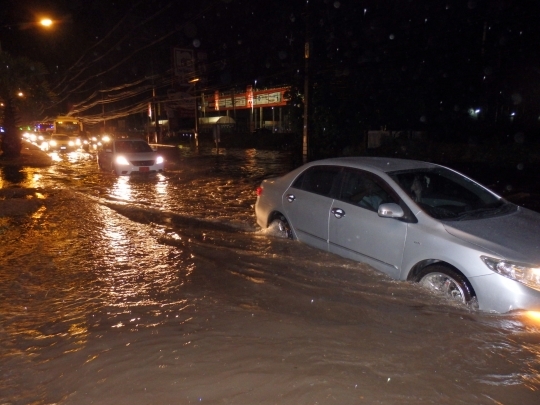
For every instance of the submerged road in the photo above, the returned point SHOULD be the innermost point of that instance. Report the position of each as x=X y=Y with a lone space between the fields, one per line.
x=163 y=290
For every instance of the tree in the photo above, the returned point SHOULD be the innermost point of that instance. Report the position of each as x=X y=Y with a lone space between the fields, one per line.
x=22 y=83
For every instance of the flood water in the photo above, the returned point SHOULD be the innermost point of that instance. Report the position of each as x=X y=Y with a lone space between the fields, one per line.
x=164 y=291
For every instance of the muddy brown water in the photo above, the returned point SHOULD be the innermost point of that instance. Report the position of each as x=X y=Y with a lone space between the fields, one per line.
x=163 y=291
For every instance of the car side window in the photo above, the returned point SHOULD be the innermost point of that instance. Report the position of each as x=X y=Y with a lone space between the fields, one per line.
x=318 y=179
x=362 y=189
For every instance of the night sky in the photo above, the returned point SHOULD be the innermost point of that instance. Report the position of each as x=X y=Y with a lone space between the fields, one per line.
x=443 y=66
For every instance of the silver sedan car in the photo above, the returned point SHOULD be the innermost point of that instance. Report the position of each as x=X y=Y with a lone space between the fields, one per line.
x=413 y=221
x=129 y=156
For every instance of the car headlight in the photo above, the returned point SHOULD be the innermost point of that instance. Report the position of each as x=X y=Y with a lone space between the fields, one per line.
x=159 y=160
x=121 y=160
x=71 y=143
x=524 y=273
x=52 y=143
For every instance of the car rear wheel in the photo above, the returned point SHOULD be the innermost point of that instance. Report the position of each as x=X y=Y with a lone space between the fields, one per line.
x=281 y=227
x=445 y=281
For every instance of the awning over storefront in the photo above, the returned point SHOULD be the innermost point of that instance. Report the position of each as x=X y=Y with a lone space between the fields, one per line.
x=220 y=120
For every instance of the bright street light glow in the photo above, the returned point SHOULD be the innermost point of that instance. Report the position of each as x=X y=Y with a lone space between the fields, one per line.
x=46 y=22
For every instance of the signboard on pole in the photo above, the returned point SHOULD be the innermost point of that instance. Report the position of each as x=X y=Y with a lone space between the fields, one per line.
x=184 y=64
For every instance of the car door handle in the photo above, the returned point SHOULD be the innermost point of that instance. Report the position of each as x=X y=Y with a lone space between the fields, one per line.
x=291 y=198
x=338 y=212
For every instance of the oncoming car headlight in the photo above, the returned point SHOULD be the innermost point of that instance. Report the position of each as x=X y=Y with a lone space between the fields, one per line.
x=159 y=160
x=121 y=160
x=524 y=273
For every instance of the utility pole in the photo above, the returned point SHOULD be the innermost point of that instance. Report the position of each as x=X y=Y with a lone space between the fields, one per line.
x=156 y=112
x=306 y=90
x=103 y=111
x=196 y=110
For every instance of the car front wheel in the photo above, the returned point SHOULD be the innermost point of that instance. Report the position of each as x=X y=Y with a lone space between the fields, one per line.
x=445 y=281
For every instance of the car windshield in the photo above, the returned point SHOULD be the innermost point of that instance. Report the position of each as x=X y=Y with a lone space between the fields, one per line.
x=60 y=137
x=132 y=147
x=447 y=195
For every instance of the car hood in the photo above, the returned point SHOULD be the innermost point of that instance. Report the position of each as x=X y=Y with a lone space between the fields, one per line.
x=140 y=155
x=513 y=236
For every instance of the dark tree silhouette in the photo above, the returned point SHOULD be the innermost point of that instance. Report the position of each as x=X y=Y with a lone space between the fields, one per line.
x=22 y=83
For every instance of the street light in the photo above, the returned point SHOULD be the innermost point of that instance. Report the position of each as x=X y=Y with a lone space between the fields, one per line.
x=46 y=22
x=43 y=22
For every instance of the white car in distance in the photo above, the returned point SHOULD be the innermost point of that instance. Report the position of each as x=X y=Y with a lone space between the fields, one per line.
x=125 y=157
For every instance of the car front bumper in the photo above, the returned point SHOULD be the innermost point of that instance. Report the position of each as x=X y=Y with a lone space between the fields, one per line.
x=501 y=294
x=127 y=170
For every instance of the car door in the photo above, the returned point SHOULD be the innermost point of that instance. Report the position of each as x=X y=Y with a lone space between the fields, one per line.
x=307 y=204
x=355 y=229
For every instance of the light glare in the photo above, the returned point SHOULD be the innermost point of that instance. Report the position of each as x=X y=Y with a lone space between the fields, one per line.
x=46 y=22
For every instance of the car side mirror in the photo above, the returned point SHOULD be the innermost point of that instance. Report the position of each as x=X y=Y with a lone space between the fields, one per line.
x=390 y=210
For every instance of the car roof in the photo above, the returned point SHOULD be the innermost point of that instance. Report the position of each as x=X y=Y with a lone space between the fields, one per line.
x=383 y=164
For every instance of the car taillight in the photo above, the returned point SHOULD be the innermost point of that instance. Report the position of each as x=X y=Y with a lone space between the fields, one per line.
x=259 y=191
